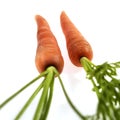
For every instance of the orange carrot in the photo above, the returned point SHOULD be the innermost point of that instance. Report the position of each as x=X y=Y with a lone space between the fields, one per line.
x=48 y=52
x=77 y=45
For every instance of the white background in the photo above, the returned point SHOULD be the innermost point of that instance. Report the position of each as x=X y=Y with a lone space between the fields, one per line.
x=98 y=21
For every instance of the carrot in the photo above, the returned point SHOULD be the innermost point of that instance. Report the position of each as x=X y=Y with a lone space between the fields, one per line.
x=77 y=45
x=104 y=78
x=48 y=52
x=49 y=63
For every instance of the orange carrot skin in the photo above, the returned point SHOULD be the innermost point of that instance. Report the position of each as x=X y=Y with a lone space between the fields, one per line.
x=77 y=45
x=48 y=52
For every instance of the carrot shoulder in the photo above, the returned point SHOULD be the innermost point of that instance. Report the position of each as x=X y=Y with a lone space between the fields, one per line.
x=77 y=45
x=48 y=52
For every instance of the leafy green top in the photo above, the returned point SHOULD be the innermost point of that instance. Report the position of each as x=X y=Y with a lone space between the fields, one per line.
x=107 y=88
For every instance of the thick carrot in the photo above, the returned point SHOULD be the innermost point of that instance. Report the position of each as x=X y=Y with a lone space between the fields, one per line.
x=48 y=52
x=77 y=45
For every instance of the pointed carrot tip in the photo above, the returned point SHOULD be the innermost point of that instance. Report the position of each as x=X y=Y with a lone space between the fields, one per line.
x=37 y=17
x=63 y=13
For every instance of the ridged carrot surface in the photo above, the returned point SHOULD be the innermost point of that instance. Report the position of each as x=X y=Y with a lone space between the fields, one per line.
x=48 y=52
x=77 y=45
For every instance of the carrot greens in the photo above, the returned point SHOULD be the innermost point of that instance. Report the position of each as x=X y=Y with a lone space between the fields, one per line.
x=45 y=87
x=107 y=88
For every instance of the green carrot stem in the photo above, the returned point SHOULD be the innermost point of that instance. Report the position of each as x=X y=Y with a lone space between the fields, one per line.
x=29 y=101
x=49 y=78
x=47 y=105
x=19 y=91
x=70 y=102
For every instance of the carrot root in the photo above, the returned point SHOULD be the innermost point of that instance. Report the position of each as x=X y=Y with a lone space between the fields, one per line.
x=48 y=52
x=77 y=45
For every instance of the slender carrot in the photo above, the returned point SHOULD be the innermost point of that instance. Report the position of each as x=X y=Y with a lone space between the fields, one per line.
x=48 y=52
x=104 y=78
x=77 y=45
x=49 y=63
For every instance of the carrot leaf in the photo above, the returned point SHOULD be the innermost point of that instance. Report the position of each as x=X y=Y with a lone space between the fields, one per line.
x=107 y=88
